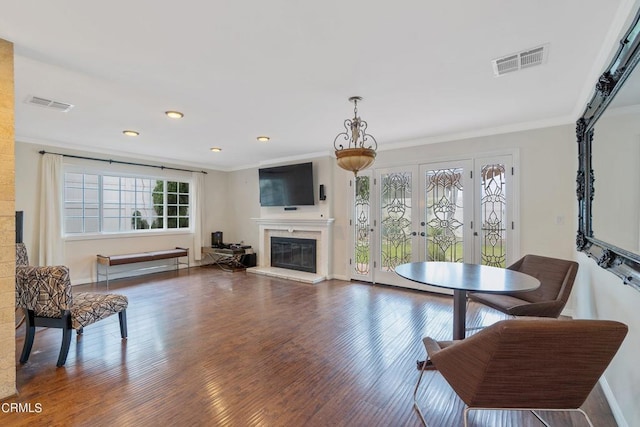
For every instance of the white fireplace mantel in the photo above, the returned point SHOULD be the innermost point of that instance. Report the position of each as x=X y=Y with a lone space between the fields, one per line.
x=320 y=229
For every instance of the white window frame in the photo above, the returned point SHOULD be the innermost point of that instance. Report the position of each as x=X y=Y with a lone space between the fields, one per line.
x=69 y=168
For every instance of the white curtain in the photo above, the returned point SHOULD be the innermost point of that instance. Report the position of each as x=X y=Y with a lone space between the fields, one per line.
x=51 y=247
x=198 y=213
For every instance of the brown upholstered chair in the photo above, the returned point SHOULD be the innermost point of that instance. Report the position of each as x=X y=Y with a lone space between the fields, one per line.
x=556 y=281
x=45 y=295
x=526 y=364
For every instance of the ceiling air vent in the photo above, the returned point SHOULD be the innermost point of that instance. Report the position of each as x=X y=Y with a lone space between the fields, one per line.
x=48 y=103
x=518 y=61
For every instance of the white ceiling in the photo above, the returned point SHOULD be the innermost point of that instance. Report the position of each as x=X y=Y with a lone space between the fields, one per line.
x=285 y=68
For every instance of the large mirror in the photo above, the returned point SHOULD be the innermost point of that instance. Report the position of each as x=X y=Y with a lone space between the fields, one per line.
x=608 y=182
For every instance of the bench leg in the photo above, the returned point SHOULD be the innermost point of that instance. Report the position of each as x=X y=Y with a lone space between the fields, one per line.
x=123 y=323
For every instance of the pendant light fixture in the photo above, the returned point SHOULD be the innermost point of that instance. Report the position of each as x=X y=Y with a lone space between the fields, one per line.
x=355 y=148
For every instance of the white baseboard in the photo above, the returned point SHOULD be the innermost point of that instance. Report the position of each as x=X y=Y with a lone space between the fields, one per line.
x=613 y=403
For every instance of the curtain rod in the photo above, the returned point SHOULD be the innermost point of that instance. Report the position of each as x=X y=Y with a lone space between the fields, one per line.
x=121 y=162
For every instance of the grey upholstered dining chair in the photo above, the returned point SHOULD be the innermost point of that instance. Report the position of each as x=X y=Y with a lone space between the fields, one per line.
x=556 y=278
x=526 y=364
x=44 y=293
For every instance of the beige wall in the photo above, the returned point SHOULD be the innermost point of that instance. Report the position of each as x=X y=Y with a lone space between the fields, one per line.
x=548 y=165
x=80 y=254
x=244 y=201
x=601 y=295
x=547 y=173
x=547 y=203
x=7 y=225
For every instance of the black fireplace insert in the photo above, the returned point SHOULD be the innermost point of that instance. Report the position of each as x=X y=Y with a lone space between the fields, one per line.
x=293 y=253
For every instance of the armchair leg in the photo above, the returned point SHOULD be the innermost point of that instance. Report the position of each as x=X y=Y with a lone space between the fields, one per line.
x=30 y=333
x=66 y=338
x=64 y=349
x=416 y=406
x=123 y=323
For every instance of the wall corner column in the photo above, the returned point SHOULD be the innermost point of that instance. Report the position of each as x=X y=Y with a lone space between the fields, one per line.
x=7 y=223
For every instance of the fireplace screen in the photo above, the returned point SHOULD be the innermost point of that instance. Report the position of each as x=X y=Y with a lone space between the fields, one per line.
x=294 y=254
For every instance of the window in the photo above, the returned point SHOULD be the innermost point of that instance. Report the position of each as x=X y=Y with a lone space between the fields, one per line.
x=96 y=203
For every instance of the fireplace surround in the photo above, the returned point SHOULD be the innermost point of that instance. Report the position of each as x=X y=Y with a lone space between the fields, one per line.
x=320 y=229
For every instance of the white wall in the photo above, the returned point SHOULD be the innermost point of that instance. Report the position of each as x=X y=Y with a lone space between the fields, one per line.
x=244 y=201
x=601 y=295
x=80 y=254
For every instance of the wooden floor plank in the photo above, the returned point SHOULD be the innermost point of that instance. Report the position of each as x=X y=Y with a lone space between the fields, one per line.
x=209 y=347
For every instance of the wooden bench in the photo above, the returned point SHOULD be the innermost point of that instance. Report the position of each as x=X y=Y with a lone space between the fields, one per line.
x=107 y=261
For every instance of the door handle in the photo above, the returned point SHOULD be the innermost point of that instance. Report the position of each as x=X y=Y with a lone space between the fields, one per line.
x=422 y=233
x=414 y=233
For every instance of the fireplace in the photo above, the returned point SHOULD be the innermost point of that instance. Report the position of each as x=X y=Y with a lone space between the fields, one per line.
x=293 y=253
x=318 y=229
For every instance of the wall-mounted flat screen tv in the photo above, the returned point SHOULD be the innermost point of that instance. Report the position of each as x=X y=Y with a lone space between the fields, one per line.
x=290 y=185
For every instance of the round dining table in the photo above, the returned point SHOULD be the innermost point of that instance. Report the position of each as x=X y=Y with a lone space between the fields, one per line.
x=463 y=278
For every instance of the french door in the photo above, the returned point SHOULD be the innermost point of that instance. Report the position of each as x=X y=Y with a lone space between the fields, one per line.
x=458 y=211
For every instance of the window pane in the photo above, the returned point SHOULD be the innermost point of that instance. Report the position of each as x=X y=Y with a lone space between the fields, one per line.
x=110 y=196
x=91 y=225
x=493 y=211
x=444 y=214
x=91 y=181
x=72 y=194
x=395 y=214
x=362 y=237
x=91 y=195
x=91 y=212
x=110 y=182
x=73 y=225
x=110 y=224
x=74 y=179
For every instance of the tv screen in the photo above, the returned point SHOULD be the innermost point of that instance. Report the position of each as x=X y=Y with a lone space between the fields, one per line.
x=290 y=185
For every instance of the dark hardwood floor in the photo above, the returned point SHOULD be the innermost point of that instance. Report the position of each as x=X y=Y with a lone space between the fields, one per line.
x=209 y=347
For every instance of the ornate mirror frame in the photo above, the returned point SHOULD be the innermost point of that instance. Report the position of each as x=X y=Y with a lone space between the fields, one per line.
x=619 y=261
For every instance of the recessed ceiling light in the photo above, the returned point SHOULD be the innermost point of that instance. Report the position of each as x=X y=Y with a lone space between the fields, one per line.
x=174 y=114
x=263 y=138
x=131 y=132
x=216 y=149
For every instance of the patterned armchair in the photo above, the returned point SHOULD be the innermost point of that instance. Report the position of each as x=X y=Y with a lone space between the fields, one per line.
x=45 y=295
